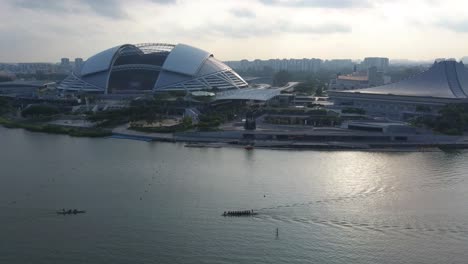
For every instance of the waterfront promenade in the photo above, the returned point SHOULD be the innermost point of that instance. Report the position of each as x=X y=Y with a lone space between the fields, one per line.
x=323 y=138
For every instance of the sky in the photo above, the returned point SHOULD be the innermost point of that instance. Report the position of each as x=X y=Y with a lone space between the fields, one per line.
x=47 y=30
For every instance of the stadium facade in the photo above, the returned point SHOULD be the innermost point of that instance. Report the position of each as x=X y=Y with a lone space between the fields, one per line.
x=445 y=82
x=152 y=67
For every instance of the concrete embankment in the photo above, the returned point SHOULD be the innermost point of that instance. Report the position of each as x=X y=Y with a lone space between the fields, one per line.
x=322 y=141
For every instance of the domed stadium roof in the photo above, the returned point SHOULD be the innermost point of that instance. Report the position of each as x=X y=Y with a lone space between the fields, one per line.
x=128 y=69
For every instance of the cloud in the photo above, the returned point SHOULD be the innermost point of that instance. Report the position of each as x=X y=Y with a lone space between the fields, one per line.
x=106 y=8
x=317 y=29
x=163 y=1
x=248 y=30
x=319 y=3
x=457 y=26
x=49 y=5
x=242 y=13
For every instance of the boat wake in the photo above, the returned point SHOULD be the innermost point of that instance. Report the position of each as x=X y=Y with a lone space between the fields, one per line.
x=345 y=198
x=457 y=231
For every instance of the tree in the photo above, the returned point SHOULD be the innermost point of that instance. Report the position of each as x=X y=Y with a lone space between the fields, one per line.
x=5 y=105
x=40 y=110
x=423 y=108
x=452 y=120
x=187 y=121
x=306 y=87
x=281 y=78
x=319 y=91
x=351 y=110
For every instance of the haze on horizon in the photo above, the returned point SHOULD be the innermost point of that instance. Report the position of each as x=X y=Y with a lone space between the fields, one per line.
x=46 y=30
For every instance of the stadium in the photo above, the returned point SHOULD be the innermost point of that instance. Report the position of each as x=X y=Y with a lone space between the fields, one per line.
x=152 y=67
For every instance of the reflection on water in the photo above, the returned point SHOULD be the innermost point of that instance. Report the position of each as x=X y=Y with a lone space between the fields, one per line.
x=161 y=203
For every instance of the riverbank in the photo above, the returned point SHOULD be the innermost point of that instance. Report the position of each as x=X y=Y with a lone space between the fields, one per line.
x=309 y=140
x=331 y=139
x=55 y=129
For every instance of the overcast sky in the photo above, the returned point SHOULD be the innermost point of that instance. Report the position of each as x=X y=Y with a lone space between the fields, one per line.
x=46 y=30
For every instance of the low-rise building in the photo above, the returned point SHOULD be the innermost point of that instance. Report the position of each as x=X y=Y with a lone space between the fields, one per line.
x=359 y=80
x=23 y=89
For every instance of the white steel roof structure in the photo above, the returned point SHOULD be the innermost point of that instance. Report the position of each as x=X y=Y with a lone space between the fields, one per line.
x=445 y=79
x=152 y=67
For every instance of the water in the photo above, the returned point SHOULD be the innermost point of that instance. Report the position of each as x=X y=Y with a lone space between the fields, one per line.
x=161 y=203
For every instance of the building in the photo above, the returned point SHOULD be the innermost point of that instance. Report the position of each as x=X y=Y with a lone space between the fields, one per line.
x=33 y=68
x=65 y=65
x=446 y=82
x=380 y=63
x=65 y=62
x=338 y=65
x=150 y=67
x=78 y=64
x=291 y=65
x=359 y=80
x=23 y=89
x=6 y=76
x=349 y=82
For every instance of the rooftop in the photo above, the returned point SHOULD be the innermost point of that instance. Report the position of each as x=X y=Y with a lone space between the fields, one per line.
x=353 y=78
x=256 y=94
x=445 y=79
x=37 y=84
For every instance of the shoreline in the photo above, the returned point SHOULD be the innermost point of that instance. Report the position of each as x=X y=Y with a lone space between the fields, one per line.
x=203 y=140
x=56 y=129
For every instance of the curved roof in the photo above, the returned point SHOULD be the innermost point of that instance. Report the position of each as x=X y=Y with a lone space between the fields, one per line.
x=445 y=79
x=185 y=59
x=212 y=65
x=99 y=62
x=173 y=67
x=103 y=60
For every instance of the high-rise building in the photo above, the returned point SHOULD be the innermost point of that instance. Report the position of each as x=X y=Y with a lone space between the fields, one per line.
x=339 y=65
x=33 y=68
x=65 y=65
x=29 y=67
x=78 y=64
x=380 y=63
x=292 y=65
x=65 y=62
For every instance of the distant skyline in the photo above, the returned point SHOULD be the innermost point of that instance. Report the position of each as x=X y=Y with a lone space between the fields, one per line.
x=46 y=30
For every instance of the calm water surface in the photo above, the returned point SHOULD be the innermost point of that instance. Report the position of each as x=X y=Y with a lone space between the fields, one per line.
x=161 y=203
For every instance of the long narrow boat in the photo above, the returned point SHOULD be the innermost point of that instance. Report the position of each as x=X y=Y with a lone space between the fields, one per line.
x=70 y=212
x=249 y=147
x=239 y=213
x=195 y=145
